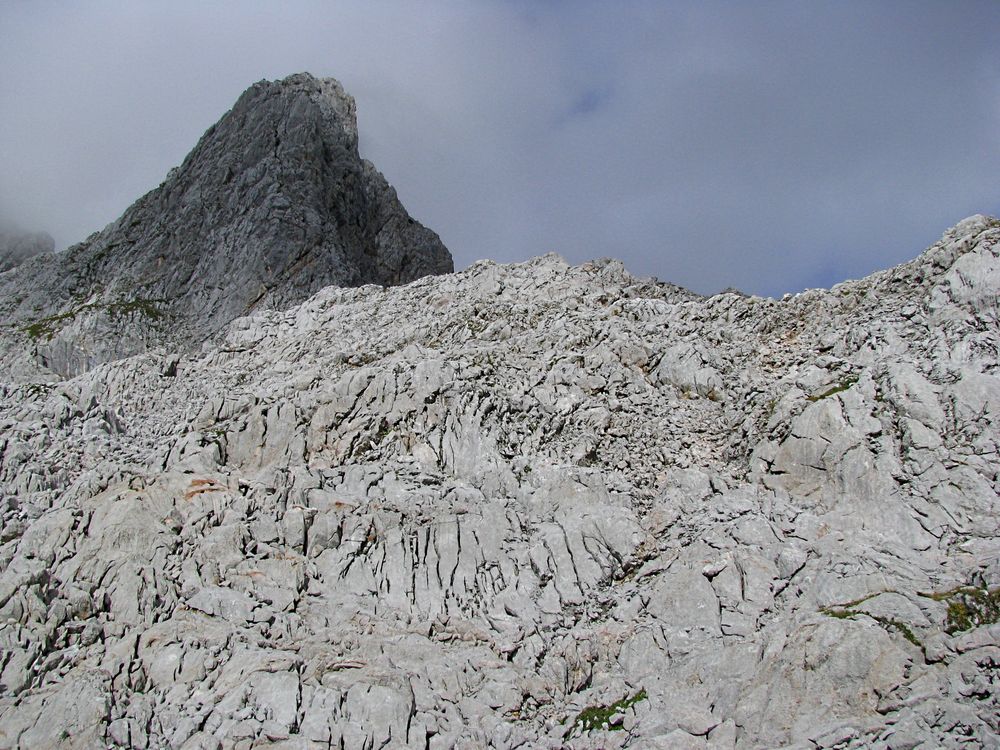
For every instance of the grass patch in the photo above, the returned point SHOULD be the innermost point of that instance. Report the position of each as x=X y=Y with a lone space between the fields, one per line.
x=145 y=307
x=840 y=614
x=843 y=611
x=770 y=407
x=969 y=607
x=599 y=717
x=48 y=327
x=842 y=386
x=847 y=612
x=901 y=627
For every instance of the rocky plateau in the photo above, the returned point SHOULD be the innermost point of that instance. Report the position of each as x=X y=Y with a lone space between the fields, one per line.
x=382 y=505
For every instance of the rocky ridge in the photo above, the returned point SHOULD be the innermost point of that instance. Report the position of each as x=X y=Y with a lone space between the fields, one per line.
x=273 y=204
x=528 y=506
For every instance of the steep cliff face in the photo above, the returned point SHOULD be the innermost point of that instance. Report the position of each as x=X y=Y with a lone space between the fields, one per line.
x=530 y=506
x=273 y=204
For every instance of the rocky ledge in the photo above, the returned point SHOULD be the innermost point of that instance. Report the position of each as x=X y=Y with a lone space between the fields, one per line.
x=529 y=506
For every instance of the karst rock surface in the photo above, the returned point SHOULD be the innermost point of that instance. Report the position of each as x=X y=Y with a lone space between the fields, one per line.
x=273 y=204
x=267 y=480
x=524 y=506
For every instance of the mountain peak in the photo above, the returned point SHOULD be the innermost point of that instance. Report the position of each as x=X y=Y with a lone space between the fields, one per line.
x=272 y=204
x=301 y=97
x=326 y=93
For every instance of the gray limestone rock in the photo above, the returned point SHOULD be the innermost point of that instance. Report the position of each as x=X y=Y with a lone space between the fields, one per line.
x=273 y=204
x=519 y=506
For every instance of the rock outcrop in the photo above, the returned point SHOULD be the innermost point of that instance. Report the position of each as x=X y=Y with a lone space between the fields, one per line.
x=273 y=204
x=529 y=506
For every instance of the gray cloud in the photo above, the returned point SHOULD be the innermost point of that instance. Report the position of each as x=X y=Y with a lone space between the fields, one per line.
x=769 y=147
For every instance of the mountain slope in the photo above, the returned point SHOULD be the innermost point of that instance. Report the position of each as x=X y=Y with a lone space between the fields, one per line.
x=273 y=204
x=522 y=506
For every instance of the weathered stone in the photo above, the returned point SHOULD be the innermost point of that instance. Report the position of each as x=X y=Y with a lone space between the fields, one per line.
x=519 y=506
x=273 y=204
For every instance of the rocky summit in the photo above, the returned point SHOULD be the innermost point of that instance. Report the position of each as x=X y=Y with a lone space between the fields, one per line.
x=524 y=506
x=272 y=205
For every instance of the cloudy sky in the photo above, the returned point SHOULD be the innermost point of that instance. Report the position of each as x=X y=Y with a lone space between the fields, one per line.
x=770 y=146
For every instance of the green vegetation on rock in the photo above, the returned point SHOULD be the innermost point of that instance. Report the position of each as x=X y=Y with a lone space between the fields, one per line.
x=599 y=717
x=146 y=307
x=969 y=607
x=843 y=385
x=48 y=327
x=848 y=612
